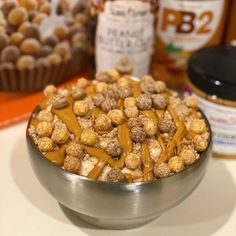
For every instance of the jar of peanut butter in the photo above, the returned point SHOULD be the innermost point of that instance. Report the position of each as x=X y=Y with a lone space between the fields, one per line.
x=211 y=77
x=185 y=26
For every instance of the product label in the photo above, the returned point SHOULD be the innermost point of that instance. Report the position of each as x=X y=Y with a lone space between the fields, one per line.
x=189 y=25
x=125 y=29
x=223 y=124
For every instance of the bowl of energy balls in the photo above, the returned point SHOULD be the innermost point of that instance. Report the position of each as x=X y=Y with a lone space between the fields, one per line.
x=29 y=60
x=118 y=151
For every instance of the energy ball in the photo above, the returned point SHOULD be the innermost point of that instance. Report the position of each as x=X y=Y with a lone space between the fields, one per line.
x=82 y=19
x=101 y=87
x=161 y=170
x=60 y=134
x=16 y=38
x=17 y=16
x=103 y=122
x=114 y=148
x=25 y=62
x=114 y=74
x=129 y=102
x=44 y=129
x=144 y=102
x=115 y=176
x=75 y=150
x=4 y=41
x=30 y=46
x=29 y=5
x=188 y=155
x=176 y=164
x=45 y=144
x=80 y=108
x=159 y=101
x=50 y=89
x=72 y=164
x=29 y=30
x=160 y=86
x=150 y=128
x=59 y=101
x=200 y=143
x=79 y=38
x=45 y=115
x=116 y=116
x=62 y=49
x=125 y=92
x=88 y=137
x=197 y=126
x=137 y=134
x=61 y=32
x=109 y=104
x=44 y=51
x=10 y=54
x=132 y=161
x=134 y=122
x=54 y=59
x=123 y=82
x=98 y=99
x=78 y=93
x=125 y=66
x=82 y=83
x=131 y=111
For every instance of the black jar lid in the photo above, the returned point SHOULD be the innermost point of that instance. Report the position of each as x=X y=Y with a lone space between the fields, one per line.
x=213 y=70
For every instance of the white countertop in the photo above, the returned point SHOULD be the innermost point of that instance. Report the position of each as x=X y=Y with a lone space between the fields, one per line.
x=27 y=209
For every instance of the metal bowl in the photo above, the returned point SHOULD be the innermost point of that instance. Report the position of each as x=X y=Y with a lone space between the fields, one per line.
x=116 y=205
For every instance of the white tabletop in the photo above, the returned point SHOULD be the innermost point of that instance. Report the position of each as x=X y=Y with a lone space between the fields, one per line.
x=27 y=209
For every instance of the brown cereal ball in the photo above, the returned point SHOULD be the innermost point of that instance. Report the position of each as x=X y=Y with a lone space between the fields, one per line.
x=44 y=129
x=197 y=126
x=62 y=48
x=98 y=99
x=137 y=134
x=51 y=41
x=82 y=19
x=132 y=161
x=134 y=122
x=82 y=83
x=25 y=62
x=79 y=38
x=125 y=92
x=78 y=93
x=191 y=101
x=125 y=65
x=29 y=30
x=30 y=46
x=176 y=164
x=45 y=144
x=45 y=115
x=10 y=54
x=54 y=59
x=160 y=86
x=88 y=137
x=103 y=76
x=7 y=7
x=129 y=102
x=80 y=108
x=101 y=87
x=114 y=75
x=131 y=111
x=188 y=155
x=39 y=18
x=75 y=150
x=61 y=32
x=29 y=5
x=200 y=143
x=159 y=101
x=45 y=8
x=60 y=134
x=72 y=164
x=103 y=122
x=16 y=39
x=50 y=89
x=45 y=51
x=124 y=82
x=115 y=176
x=17 y=16
x=4 y=41
x=150 y=128
x=144 y=102
x=59 y=101
x=108 y=104
x=116 y=116
x=161 y=170
x=114 y=148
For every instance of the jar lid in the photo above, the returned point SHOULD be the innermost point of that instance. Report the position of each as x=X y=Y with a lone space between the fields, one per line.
x=213 y=70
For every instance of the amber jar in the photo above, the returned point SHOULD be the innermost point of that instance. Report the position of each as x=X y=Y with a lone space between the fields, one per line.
x=211 y=77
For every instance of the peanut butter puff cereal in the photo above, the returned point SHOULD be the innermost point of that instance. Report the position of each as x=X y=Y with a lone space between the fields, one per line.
x=119 y=130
